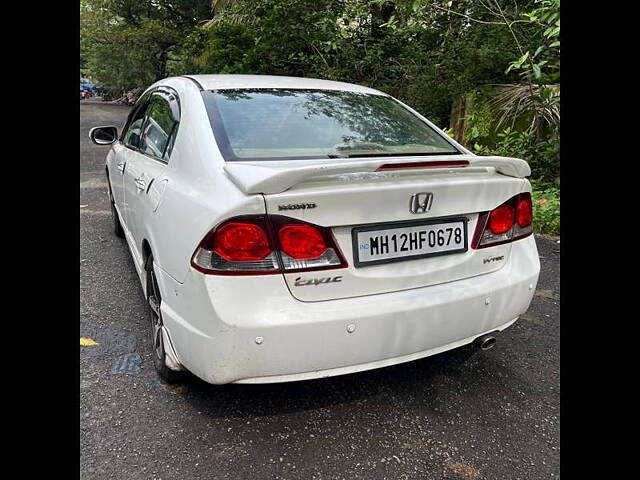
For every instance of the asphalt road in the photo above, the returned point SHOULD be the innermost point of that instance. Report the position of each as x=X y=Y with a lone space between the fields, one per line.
x=494 y=416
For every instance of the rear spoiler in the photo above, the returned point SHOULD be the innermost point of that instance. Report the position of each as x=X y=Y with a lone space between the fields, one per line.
x=270 y=177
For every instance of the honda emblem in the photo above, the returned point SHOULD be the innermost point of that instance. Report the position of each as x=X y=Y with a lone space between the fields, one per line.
x=421 y=202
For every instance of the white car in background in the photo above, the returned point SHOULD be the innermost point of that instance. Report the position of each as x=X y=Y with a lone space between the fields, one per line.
x=289 y=229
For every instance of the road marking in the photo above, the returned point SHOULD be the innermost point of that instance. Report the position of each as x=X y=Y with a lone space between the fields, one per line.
x=127 y=364
x=87 y=342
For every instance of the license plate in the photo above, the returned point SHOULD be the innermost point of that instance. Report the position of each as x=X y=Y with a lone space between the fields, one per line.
x=404 y=241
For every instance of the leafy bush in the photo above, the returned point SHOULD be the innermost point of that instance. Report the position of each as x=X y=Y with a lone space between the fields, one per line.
x=544 y=158
x=422 y=52
x=541 y=152
x=539 y=147
x=546 y=208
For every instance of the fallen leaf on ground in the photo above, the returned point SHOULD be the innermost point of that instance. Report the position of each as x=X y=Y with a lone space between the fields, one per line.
x=175 y=389
x=546 y=294
x=532 y=319
x=466 y=472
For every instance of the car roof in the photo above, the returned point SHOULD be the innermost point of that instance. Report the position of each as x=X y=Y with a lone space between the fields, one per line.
x=221 y=82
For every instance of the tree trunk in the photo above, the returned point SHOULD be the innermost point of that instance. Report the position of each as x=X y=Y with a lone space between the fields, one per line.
x=162 y=63
x=380 y=14
x=462 y=105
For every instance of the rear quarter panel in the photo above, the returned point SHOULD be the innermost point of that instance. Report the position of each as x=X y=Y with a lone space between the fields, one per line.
x=197 y=195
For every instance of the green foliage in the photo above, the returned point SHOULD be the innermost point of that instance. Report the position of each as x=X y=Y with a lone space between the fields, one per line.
x=531 y=109
x=414 y=50
x=219 y=50
x=421 y=51
x=424 y=52
x=543 y=65
x=546 y=208
x=448 y=131
x=128 y=43
x=542 y=154
x=481 y=120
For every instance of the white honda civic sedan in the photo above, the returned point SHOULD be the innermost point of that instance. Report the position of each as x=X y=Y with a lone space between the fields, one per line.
x=290 y=228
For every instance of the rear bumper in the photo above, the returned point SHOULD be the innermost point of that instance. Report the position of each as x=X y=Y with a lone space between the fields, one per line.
x=228 y=331
x=369 y=365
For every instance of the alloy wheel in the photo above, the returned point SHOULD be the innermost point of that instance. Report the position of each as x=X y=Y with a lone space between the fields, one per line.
x=156 y=317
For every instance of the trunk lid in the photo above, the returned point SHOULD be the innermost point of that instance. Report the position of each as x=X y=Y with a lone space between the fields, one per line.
x=369 y=198
x=277 y=176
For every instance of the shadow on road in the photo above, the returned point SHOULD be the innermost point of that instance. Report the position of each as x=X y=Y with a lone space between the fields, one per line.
x=425 y=384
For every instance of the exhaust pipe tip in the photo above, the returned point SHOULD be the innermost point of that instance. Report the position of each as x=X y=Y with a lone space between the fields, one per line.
x=485 y=342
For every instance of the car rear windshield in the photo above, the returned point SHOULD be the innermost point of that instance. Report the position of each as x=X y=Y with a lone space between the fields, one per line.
x=279 y=124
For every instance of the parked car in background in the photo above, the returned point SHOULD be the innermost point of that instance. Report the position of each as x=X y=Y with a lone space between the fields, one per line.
x=289 y=229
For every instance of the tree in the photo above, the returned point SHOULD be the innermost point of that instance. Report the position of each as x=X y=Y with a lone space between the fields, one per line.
x=128 y=43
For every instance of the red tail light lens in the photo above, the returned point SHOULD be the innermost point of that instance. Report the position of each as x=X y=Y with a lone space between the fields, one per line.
x=260 y=244
x=510 y=221
x=301 y=241
x=524 y=212
x=241 y=242
x=501 y=219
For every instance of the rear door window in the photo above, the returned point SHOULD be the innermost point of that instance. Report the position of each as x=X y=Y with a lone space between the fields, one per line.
x=158 y=130
x=133 y=127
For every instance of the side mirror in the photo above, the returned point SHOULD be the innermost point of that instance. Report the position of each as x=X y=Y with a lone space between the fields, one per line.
x=103 y=135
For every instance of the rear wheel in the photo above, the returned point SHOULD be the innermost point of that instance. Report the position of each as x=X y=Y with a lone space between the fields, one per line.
x=117 y=227
x=154 y=300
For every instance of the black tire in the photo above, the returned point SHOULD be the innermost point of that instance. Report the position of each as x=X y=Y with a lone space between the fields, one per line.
x=154 y=300
x=117 y=227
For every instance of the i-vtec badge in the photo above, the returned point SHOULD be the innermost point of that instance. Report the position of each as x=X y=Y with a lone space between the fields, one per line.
x=302 y=282
x=493 y=259
x=421 y=202
x=297 y=206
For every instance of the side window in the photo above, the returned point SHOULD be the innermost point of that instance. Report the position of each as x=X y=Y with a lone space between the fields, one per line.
x=159 y=130
x=131 y=137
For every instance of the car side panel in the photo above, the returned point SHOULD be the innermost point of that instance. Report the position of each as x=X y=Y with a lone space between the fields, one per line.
x=116 y=165
x=186 y=214
x=142 y=199
x=197 y=194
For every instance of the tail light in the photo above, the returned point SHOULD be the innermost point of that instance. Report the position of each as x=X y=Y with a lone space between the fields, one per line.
x=524 y=211
x=260 y=244
x=510 y=221
x=501 y=219
x=241 y=242
x=240 y=245
x=301 y=241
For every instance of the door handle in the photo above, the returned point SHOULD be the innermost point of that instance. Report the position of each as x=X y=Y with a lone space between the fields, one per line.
x=121 y=166
x=140 y=183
